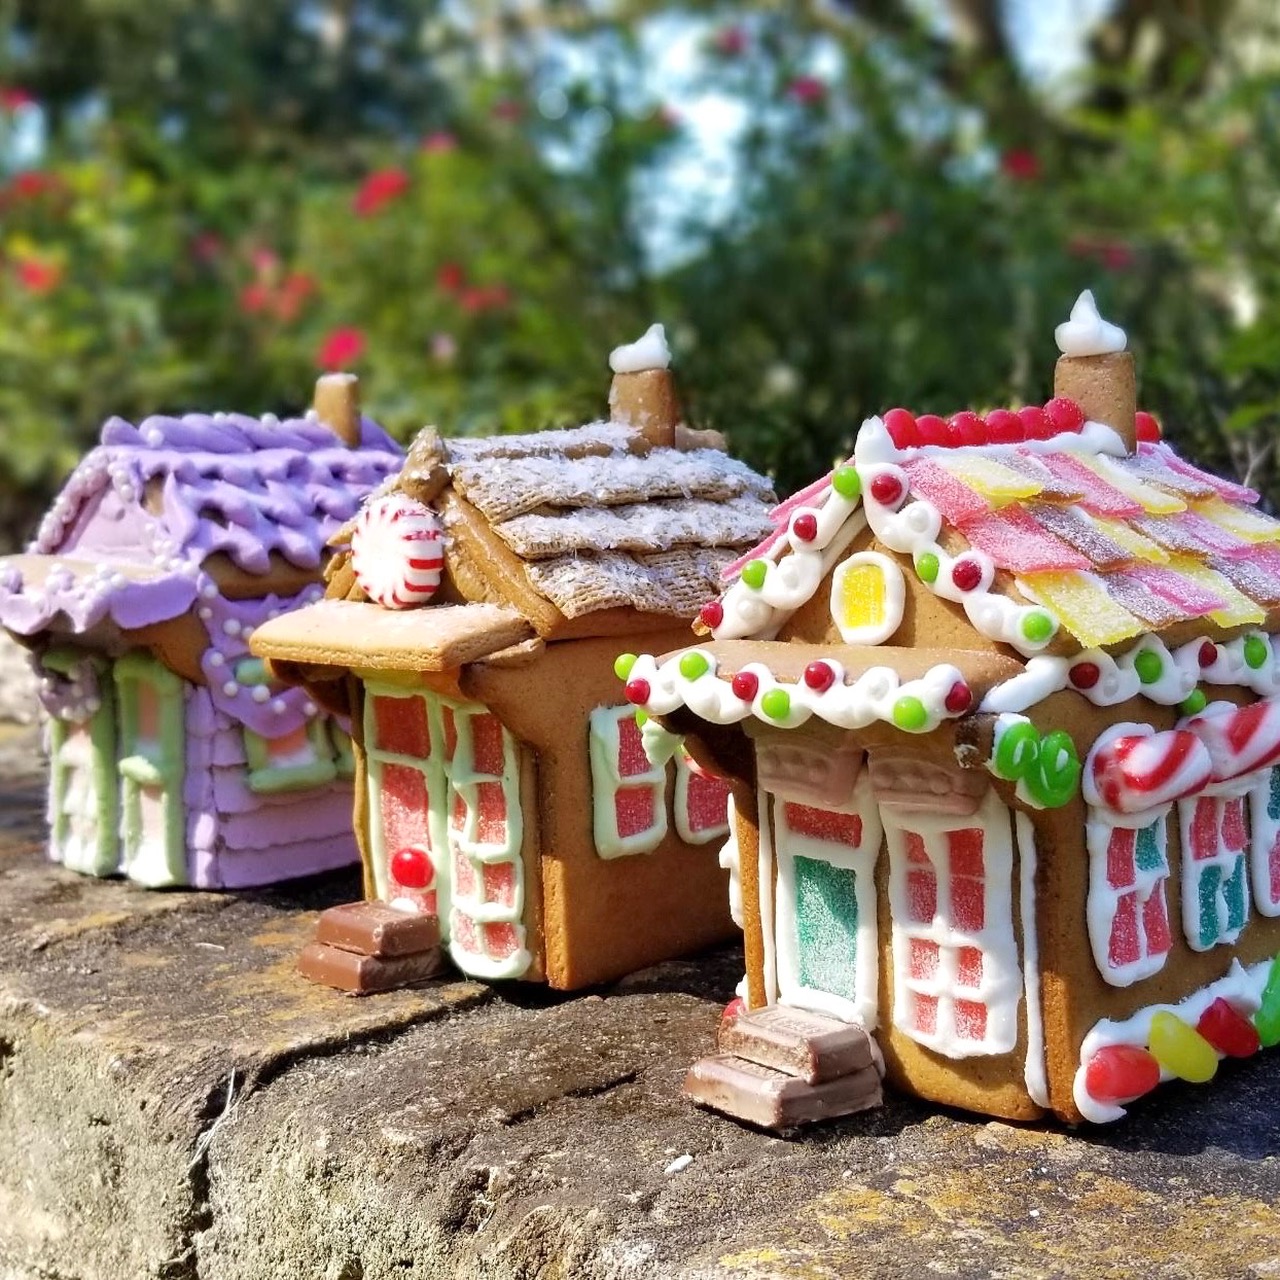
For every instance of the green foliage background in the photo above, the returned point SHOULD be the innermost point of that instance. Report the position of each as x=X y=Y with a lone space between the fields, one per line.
x=220 y=188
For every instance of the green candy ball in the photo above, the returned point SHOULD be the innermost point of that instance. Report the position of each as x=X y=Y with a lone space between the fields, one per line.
x=1148 y=666
x=753 y=574
x=909 y=714
x=847 y=483
x=927 y=566
x=776 y=704
x=693 y=665
x=622 y=665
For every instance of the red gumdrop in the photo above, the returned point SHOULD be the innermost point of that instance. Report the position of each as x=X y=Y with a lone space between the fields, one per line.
x=1034 y=423
x=411 y=868
x=1120 y=1073
x=966 y=574
x=901 y=427
x=967 y=428
x=1232 y=1034
x=1147 y=427
x=886 y=489
x=1005 y=427
x=1208 y=654
x=637 y=691
x=959 y=698
x=932 y=429
x=805 y=526
x=1064 y=414
x=711 y=614
x=1084 y=675
x=745 y=685
x=819 y=676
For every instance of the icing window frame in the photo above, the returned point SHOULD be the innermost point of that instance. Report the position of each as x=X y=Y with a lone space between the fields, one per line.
x=608 y=782
x=1128 y=874
x=892 y=602
x=690 y=781
x=797 y=966
x=1215 y=887
x=1264 y=840
x=268 y=773
x=937 y=994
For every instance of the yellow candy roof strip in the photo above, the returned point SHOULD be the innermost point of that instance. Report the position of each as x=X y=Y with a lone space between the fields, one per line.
x=1138 y=544
x=989 y=479
x=1154 y=501
x=1252 y=526
x=1083 y=607
x=1240 y=609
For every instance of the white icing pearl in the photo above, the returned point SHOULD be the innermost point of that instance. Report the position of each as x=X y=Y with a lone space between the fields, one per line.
x=231 y=688
x=231 y=627
x=260 y=693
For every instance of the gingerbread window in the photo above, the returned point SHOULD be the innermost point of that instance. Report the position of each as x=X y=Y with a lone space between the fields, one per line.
x=956 y=978
x=1127 y=912
x=1264 y=823
x=628 y=793
x=1215 y=891
x=299 y=758
x=701 y=803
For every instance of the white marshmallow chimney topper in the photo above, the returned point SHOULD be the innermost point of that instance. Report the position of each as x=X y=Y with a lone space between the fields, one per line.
x=648 y=352
x=1087 y=333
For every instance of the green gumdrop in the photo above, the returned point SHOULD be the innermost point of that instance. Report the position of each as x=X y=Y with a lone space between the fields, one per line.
x=1055 y=773
x=1255 y=652
x=642 y=717
x=1016 y=751
x=909 y=714
x=847 y=483
x=927 y=566
x=776 y=704
x=1267 y=1019
x=1148 y=666
x=622 y=665
x=753 y=574
x=693 y=665
x=1194 y=703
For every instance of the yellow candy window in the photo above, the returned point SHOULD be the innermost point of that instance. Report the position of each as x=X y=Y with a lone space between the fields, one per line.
x=867 y=596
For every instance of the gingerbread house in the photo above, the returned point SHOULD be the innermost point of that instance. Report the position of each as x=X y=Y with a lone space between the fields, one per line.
x=1001 y=701
x=174 y=759
x=470 y=629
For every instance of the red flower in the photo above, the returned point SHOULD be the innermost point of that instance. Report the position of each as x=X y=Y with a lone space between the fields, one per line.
x=378 y=190
x=14 y=99
x=38 y=277
x=254 y=298
x=451 y=277
x=297 y=288
x=1115 y=255
x=31 y=184
x=1020 y=165
x=730 y=42
x=437 y=143
x=264 y=260
x=490 y=298
x=342 y=346
x=206 y=246
x=508 y=110
x=807 y=90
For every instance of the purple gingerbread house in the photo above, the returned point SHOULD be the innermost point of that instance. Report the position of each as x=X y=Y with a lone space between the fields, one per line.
x=174 y=760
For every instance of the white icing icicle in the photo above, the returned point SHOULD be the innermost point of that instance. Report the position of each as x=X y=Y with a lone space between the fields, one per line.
x=649 y=351
x=1087 y=333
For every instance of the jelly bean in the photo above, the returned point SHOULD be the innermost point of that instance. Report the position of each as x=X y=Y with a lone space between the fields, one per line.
x=1055 y=773
x=1267 y=1019
x=1120 y=1073
x=1181 y=1050
x=1232 y=1034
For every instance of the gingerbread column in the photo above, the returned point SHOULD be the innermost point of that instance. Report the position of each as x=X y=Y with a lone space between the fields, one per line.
x=1096 y=371
x=337 y=405
x=643 y=394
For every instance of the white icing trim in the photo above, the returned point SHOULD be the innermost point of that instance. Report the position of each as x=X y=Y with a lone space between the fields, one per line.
x=895 y=595
x=649 y=351
x=1177 y=678
x=764 y=890
x=686 y=777
x=605 y=734
x=1264 y=832
x=1228 y=863
x=1087 y=333
x=730 y=860
x=1034 y=1072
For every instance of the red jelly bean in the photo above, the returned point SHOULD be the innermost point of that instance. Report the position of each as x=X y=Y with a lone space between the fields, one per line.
x=959 y=698
x=1147 y=427
x=1228 y=1031
x=1064 y=414
x=805 y=526
x=1084 y=675
x=886 y=489
x=819 y=676
x=711 y=614
x=932 y=429
x=1120 y=1073
x=1208 y=654
x=745 y=685
x=966 y=574
x=901 y=427
x=411 y=868
x=1005 y=427
x=1034 y=423
x=637 y=691
x=967 y=428
x=733 y=1009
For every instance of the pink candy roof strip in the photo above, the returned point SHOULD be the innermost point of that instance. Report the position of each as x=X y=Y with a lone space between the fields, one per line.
x=1227 y=489
x=1051 y=486
x=1096 y=494
x=1178 y=589
x=1075 y=528
x=1140 y=600
x=1188 y=532
x=1015 y=542
x=953 y=498
x=780 y=516
x=1146 y=467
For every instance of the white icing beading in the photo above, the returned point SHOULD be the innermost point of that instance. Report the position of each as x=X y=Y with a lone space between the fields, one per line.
x=1087 y=333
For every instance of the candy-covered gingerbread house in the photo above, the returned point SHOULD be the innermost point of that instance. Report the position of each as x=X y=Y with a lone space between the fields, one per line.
x=174 y=759
x=471 y=632
x=1001 y=699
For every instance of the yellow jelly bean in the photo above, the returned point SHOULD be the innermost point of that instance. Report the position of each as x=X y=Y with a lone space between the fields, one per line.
x=861 y=595
x=1181 y=1050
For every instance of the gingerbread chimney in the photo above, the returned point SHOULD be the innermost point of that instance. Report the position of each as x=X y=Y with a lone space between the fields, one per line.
x=1096 y=371
x=337 y=405
x=643 y=394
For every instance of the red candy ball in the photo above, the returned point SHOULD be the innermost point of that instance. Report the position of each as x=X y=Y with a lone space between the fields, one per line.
x=1064 y=414
x=1120 y=1073
x=1208 y=654
x=1229 y=1032
x=1147 y=427
x=959 y=698
x=805 y=526
x=932 y=429
x=637 y=691
x=901 y=427
x=411 y=868
x=1034 y=423
x=886 y=489
x=967 y=428
x=744 y=685
x=819 y=676
x=1084 y=675
x=966 y=574
x=711 y=614
x=1005 y=427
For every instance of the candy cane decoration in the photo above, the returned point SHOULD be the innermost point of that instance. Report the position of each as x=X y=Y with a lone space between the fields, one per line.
x=397 y=551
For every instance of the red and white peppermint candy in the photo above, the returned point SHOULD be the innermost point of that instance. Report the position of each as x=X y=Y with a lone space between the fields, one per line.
x=397 y=551
x=1240 y=740
x=1133 y=772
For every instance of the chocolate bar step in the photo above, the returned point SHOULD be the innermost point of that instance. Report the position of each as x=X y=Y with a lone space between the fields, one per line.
x=375 y=929
x=362 y=975
x=760 y=1095
x=810 y=1046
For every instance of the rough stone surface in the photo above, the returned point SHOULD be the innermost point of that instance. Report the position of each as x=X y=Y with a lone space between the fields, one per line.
x=18 y=702
x=175 y=1103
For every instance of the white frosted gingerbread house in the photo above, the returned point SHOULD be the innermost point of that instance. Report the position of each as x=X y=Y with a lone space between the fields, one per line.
x=1000 y=697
